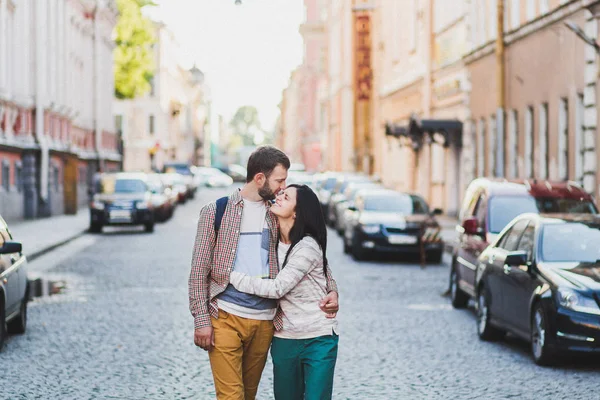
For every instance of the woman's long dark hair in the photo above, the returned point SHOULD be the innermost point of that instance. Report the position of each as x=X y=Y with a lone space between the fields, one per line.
x=309 y=222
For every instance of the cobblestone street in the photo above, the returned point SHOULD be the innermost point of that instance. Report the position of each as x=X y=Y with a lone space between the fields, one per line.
x=122 y=330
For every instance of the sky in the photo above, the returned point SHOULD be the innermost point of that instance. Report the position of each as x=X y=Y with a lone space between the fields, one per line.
x=247 y=51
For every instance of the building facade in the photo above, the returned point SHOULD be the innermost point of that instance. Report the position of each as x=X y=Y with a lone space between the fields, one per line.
x=170 y=123
x=56 y=89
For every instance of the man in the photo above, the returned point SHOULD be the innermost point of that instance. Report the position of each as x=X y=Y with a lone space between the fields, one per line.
x=234 y=327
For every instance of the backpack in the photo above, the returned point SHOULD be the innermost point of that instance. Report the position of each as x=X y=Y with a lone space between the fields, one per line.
x=221 y=205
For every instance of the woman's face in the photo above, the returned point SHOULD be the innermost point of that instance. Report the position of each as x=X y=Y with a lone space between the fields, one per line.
x=285 y=203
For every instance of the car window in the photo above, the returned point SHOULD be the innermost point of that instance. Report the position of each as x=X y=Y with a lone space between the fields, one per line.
x=512 y=240
x=571 y=241
x=527 y=239
x=400 y=203
x=503 y=209
x=419 y=205
x=480 y=209
x=567 y=206
x=502 y=241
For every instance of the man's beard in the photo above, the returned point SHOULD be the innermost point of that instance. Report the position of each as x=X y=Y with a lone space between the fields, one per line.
x=266 y=193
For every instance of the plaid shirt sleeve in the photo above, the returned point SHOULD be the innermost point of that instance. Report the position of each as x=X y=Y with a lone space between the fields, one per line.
x=199 y=281
x=331 y=284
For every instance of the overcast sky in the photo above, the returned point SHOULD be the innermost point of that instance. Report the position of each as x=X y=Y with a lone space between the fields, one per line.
x=246 y=51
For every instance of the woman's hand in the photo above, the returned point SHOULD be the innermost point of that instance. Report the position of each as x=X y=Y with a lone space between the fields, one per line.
x=329 y=305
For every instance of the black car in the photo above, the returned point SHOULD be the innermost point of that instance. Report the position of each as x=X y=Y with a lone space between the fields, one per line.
x=122 y=199
x=14 y=289
x=385 y=221
x=540 y=280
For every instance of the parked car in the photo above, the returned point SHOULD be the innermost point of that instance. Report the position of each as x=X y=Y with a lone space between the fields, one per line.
x=337 y=195
x=212 y=177
x=160 y=198
x=341 y=207
x=328 y=181
x=186 y=172
x=176 y=183
x=236 y=172
x=489 y=205
x=14 y=289
x=390 y=222
x=122 y=199
x=540 y=280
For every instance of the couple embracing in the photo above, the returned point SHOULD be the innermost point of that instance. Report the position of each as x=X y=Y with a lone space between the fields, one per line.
x=260 y=279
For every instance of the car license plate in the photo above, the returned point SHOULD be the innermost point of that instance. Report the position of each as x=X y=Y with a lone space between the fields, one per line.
x=402 y=239
x=120 y=215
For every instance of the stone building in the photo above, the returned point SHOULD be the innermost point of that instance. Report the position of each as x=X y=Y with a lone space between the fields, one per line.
x=56 y=89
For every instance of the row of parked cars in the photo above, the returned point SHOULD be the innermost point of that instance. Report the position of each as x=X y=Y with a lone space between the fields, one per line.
x=371 y=218
x=136 y=198
x=528 y=255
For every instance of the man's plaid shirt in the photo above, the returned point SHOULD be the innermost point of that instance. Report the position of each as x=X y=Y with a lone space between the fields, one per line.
x=214 y=256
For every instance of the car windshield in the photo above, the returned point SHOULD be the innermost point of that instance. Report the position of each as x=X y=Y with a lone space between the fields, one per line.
x=389 y=203
x=112 y=185
x=504 y=209
x=572 y=241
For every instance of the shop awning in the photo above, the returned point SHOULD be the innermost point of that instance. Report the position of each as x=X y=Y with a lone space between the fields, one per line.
x=449 y=129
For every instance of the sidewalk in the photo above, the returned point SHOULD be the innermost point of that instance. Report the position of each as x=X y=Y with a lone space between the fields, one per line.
x=42 y=235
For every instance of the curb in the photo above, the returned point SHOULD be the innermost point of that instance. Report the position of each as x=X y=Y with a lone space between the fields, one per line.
x=38 y=253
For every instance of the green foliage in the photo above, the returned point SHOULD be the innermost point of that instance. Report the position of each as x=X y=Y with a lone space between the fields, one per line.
x=245 y=124
x=133 y=54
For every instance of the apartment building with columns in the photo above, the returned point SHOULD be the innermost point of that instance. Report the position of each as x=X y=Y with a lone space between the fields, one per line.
x=56 y=90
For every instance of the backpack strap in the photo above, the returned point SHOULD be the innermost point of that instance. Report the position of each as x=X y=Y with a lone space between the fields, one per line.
x=221 y=205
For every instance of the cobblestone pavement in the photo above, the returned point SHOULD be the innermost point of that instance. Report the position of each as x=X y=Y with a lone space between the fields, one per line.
x=122 y=330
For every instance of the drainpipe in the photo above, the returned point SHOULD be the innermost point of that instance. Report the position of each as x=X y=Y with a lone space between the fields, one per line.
x=501 y=100
x=97 y=72
x=40 y=48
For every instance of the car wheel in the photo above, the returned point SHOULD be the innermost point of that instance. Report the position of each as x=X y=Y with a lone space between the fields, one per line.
x=542 y=355
x=459 y=298
x=357 y=251
x=484 y=329
x=435 y=257
x=19 y=324
x=95 y=227
x=149 y=227
x=3 y=332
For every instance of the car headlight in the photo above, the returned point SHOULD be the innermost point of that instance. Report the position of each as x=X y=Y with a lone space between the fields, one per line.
x=97 y=205
x=577 y=302
x=370 y=229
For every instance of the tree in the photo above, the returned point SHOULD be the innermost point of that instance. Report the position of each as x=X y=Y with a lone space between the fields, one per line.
x=245 y=124
x=133 y=54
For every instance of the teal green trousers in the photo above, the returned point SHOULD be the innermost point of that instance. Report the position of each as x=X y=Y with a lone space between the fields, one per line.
x=303 y=368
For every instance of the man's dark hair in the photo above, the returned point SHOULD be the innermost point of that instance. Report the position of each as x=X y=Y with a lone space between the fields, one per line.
x=264 y=159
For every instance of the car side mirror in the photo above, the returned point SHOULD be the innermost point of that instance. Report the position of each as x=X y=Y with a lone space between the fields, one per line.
x=470 y=225
x=437 y=211
x=516 y=258
x=11 y=247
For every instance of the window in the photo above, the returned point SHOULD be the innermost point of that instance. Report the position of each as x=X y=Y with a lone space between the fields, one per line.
x=530 y=10
x=6 y=175
x=512 y=241
x=480 y=211
x=504 y=209
x=527 y=240
x=56 y=176
x=515 y=14
x=491 y=144
x=480 y=148
x=151 y=124
x=528 y=153
x=543 y=141
x=19 y=176
x=544 y=7
x=563 y=140
x=119 y=123
x=579 y=138
x=513 y=146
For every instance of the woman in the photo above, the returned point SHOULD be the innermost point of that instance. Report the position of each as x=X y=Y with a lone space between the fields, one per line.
x=305 y=351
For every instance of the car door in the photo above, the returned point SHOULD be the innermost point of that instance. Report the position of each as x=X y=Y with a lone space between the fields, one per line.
x=8 y=274
x=520 y=284
x=496 y=278
x=472 y=245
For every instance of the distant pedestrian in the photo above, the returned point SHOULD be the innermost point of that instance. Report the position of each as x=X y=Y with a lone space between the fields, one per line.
x=304 y=351
x=239 y=233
